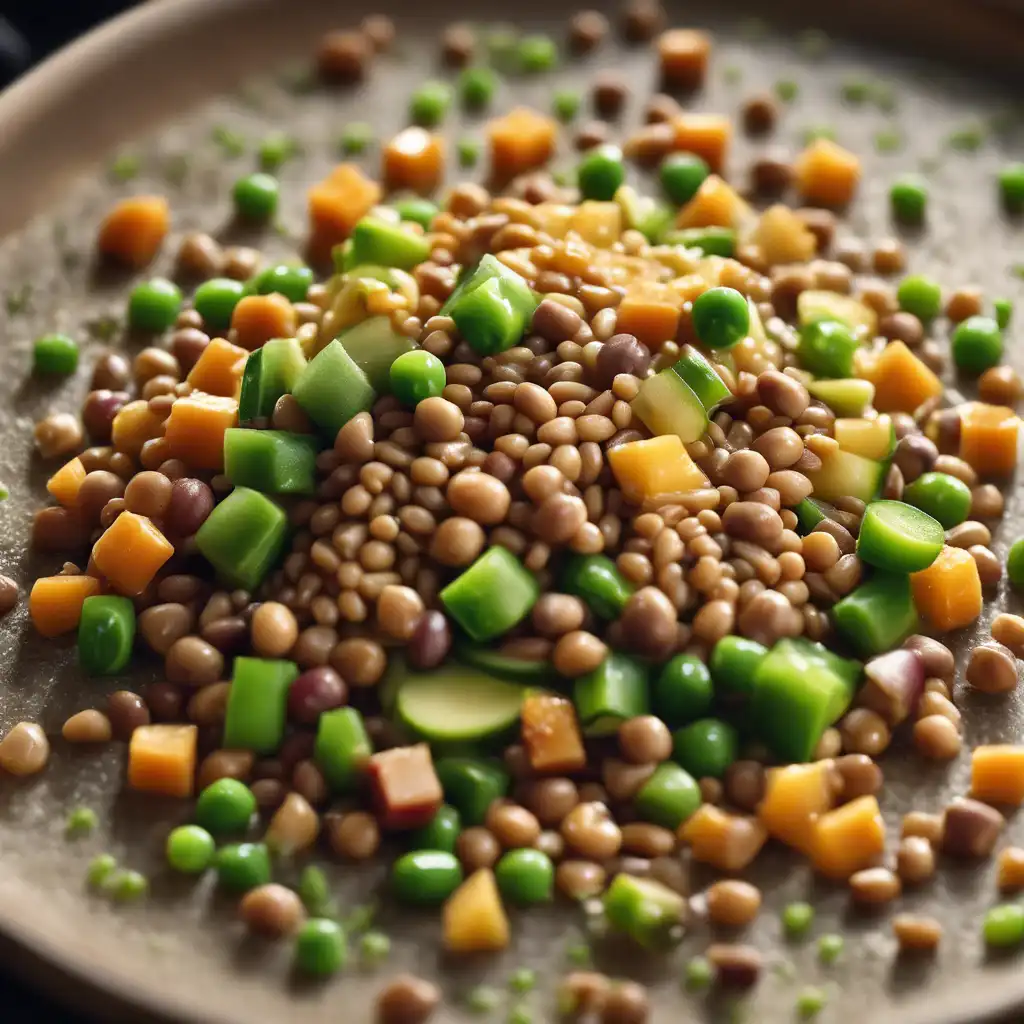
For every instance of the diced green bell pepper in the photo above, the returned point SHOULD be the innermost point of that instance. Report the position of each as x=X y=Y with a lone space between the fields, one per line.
x=668 y=797
x=106 y=631
x=808 y=514
x=734 y=663
x=471 y=785
x=800 y=689
x=243 y=537
x=490 y=597
x=342 y=747
x=270 y=372
x=257 y=710
x=332 y=389
x=615 y=691
x=711 y=241
x=270 y=461
x=597 y=580
x=390 y=245
x=827 y=348
x=648 y=912
x=878 y=615
x=374 y=345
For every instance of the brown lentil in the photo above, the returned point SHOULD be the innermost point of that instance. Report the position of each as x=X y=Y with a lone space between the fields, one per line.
x=580 y=879
x=88 y=726
x=126 y=711
x=24 y=750
x=733 y=903
x=937 y=738
x=477 y=848
x=915 y=860
x=992 y=668
x=970 y=828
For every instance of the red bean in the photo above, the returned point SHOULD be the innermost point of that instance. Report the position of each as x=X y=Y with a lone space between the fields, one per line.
x=191 y=502
x=315 y=691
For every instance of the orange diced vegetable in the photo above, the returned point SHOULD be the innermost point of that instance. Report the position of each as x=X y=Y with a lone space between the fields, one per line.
x=133 y=230
x=64 y=484
x=849 y=839
x=715 y=204
x=783 y=237
x=337 y=203
x=474 y=921
x=1010 y=868
x=134 y=425
x=162 y=759
x=195 y=430
x=654 y=467
x=707 y=135
x=988 y=438
x=55 y=602
x=948 y=592
x=130 y=552
x=683 y=53
x=795 y=797
x=598 y=223
x=520 y=141
x=218 y=370
x=414 y=159
x=728 y=842
x=650 y=310
x=902 y=382
x=258 y=318
x=827 y=174
x=406 y=791
x=551 y=734
x=997 y=774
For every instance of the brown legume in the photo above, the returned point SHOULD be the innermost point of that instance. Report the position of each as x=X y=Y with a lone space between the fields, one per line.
x=919 y=823
x=1000 y=385
x=192 y=661
x=936 y=737
x=272 y=910
x=735 y=966
x=407 y=1000
x=274 y=630
x=916 y=933
x=936 y=657
x=874 y=886
x=477 y=848
x=512 y=826
x=645 y=740
x=733 y=903
x=578 y=653
x=649 y=623
x=225 y=764
x=970 y=828
x=590 y=830
x=580 y=879
x=126 y=711
x=88 y=726
x=992 y=668
x=915 y=860
x=626 y=1003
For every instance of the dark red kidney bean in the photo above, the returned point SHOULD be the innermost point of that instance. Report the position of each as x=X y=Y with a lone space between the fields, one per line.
x=317 y=690
x=99 y=410
x=164 y=700
x=622 y=353
x=269 y=793
x=229 y=635
x=297 y=747
x=187 y=345
x=59 y=529
x=191 y=502
x=431 y=642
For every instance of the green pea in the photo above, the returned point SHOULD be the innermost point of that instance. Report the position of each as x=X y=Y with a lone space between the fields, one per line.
x=275 y=150
x=1004 y=926
x=100 y=868
x=477 y=87
x=441 y=833
x=681 y=175
x=797 y=918
x=154 y=305
x=787 y=90
x=942 y=496
x=81 y=821
x=215 y=301
x=1003 y=309
x=565 y=104
x=256 y=196
x=243 y=866
x=1011 y=187
x=1015 y=562
x=417 y=210
x=830 y=948
x=721 y=317
x=429 y=103
x=314 y=890
x=706 y=747
x=417 y=375
x=425 y=877
x=523 y=980
x=977 y=344
x=106 y=632
x=601 y=172
x=698 y=973
x=683 y=690
x=292 y=280
x=908 y=198
x=125 y=886
x=537 y=53
x=356 y=137
x=374 y=947
x=668 y=797
x=921 y=296
x=468 y=151
x=55 y=354
x=225 y=806
x=320 y=947
x=483 y=999
x=810 y=1001
x=190 y=849
x=525 y=876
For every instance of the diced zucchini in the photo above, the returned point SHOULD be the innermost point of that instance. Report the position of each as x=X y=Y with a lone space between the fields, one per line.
x=501 y=665
x=332 y=389
x=874 y=439
x=668 y=405
x=821 y=305
x=701 y=378
x=615 y=691
x=844 y=474
x=808 y=514
x=847 y=397
x=376 y=241
x=374 y=345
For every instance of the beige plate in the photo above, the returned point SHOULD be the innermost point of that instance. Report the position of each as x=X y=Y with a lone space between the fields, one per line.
x=180 y=955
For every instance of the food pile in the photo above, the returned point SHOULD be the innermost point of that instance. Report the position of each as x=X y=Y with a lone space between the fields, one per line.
x=562 y=534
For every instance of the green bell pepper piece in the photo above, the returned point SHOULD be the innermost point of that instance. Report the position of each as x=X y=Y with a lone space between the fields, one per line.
x=878 y=615
x=471 y=785
x=270 y=461
x=648 y=912
x=597 y=580
x=490 y=597
x=615 y=691
x=389 y=245
x=668 y=797
x=342 y=747
x=332 y=389
x=734 y=663
x=243 y=537
x=257 y=710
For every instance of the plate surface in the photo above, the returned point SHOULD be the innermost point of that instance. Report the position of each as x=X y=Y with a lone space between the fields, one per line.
x=157 y=77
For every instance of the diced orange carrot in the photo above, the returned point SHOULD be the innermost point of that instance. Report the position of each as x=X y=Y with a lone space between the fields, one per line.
x=195 y=430
x=162 y=759
x=827 y=174
x=783 y=237
x=474 y=921
x=729 y=842
x=134 y=425
x=849 y=839
x=650 y=310
x=337 y=203
x=551 y=734
x=258 y=318
x=715 y=204
x=218 y=371
x=64 y=484
x=902 y=382
x=795 y=798
x=948 y=592
x=55 y=603
x=598 y=223
x=520 y=141
x=683 y=53
x=134 y=229
x=707 y=135
x=997 y=774
x=1010 y=871
x=414 y=159
x=988 y=438
x=654 y=467
x=130 y=552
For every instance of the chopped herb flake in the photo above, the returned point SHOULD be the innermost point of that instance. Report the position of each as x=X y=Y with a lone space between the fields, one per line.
x=231 y=143
x=125 y=166
x=483 y=999
x=356 y=137
x=888 y=140
x=787 y=90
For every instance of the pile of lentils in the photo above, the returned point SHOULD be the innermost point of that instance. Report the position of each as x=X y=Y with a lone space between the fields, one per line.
x=511 y=450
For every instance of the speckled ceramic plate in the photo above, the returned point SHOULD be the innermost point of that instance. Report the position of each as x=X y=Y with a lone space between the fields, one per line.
x=157 y=83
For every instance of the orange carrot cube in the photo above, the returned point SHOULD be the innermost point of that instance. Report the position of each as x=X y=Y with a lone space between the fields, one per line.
x=55 y=603
x=650 y=310
x=414 y=159
x=654 y=467
x=948 y=592
x=827 y=174
x=849 y=839
x=715 y=204
x=728 y=842
x=130 y=552
x=902 y=382
x=997 y=774
x=795 y=798
x=218 y=370
x=707 y=135
x=162 y=759
x=258 y=318
x=134 y=229
x=64 y=484
x=988 y=438
x=338 y=202
x=520 y=141
x=551 y=734
x=195 y=430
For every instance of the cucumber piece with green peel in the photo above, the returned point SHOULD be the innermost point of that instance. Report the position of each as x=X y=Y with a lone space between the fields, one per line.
x=270 y=461
x=501 y=665
x=374 y=345
x=457 y=703
x=332 y=389
x=700 y=376
x=390 y=245
x=808 y=514
x=270 y=372
x=874 y=439
x=816 y=304
x=668 y=405
x=615 y=691
x=712 y=241
x=492 y=595
x=844 y=474
x=249 y=405
x=848 y=396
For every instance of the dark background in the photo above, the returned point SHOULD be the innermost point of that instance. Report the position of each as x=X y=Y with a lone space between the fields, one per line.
x=29 y=32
